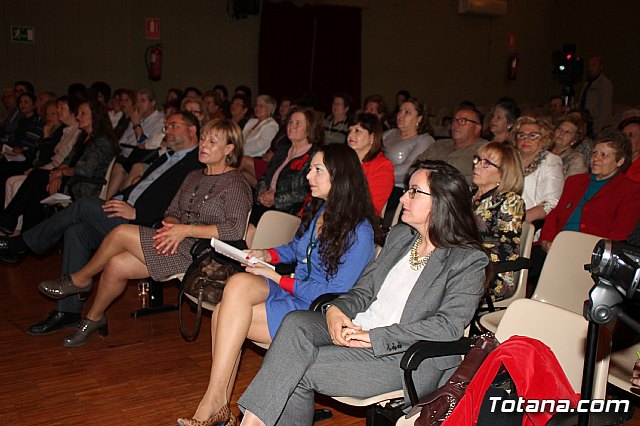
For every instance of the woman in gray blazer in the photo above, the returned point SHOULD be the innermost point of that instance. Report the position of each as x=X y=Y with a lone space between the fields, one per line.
x=425 y=285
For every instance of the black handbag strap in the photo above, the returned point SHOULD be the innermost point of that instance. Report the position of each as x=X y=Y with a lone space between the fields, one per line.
x=190 y=337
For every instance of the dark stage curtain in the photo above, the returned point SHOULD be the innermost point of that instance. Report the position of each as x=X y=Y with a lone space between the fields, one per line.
x=310 y=50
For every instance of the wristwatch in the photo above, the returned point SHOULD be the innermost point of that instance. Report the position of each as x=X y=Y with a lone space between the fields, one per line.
x=325 y=308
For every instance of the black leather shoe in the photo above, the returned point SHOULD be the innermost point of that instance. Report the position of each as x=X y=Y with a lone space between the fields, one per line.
x=55 y=321
x=7 y=255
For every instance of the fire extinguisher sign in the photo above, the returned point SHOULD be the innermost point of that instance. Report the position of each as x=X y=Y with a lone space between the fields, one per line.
x=152 y=28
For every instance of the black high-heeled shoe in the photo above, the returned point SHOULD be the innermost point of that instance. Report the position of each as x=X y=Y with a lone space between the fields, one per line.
x=87 y=327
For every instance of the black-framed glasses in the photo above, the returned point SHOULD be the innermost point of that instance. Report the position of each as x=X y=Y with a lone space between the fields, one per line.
x=412 y=191
x=175 y=124
x=463 y=121
x=484 y=163
x=533 y=136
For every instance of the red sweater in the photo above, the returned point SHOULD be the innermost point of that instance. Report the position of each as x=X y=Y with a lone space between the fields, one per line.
x=380 y=177
x=611 y=213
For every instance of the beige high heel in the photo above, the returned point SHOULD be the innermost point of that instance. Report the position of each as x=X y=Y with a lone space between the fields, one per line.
x=224 y=417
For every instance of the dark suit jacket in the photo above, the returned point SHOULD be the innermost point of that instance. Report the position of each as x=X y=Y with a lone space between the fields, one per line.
x=440 y=306
x=611 y=213
x=155 y=200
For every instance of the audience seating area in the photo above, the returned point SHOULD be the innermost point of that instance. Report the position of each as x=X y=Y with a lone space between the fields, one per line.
x=553 y=314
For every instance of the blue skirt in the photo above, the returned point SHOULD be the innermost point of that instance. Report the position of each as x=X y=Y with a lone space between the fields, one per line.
x=279 y=303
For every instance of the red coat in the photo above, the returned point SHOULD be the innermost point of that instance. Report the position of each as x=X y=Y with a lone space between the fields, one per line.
x=380 y=177
x=611 y=213
x=535 y=371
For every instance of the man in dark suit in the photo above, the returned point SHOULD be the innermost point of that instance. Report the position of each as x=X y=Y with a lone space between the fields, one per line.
x=85 y=223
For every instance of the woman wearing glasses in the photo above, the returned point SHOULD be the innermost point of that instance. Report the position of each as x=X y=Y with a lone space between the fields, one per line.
x=213 y=202
x=543 y=173
x=604 y=202
x=497 y=174
x=332 y=247
x=425 y=285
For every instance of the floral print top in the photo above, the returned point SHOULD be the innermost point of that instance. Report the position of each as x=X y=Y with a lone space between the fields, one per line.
x=499 y=217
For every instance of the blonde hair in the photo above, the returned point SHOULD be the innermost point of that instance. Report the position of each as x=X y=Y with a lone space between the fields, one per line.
x=511 y=170
x=546 y=133
x=232 y=134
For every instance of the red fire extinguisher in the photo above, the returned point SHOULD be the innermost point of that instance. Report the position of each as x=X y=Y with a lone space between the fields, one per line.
x=514 y=62
x=153 y=60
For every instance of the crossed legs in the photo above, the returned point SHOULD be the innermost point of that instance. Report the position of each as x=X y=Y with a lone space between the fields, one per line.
x=119 y=258
x=241 y=314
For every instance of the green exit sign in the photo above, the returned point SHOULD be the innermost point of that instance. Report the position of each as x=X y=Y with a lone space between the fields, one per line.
x=22 y=34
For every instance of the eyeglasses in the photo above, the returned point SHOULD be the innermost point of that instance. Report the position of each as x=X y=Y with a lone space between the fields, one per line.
x=463 y=121
x=484 y=163
x=174 y=124
x=413 y=190
x=596 y=154
x=533 y=136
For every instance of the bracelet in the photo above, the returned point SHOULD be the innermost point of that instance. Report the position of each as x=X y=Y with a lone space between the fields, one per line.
x=137 y=126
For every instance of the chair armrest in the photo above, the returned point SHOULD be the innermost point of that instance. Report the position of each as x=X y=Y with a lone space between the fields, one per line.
x=500 y=267
x=424 y=349
x=199 y=247
x=511 y=265
x=322 y=300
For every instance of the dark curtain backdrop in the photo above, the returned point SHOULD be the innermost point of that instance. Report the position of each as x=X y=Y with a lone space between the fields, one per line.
x=310 y=50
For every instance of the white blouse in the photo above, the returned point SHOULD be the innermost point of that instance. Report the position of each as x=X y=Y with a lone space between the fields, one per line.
x=258 y=136
x=393 y=295
x=544 y=185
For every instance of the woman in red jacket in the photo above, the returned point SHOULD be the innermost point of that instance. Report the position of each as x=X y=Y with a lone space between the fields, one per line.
x=365 y=137
x=604 y=202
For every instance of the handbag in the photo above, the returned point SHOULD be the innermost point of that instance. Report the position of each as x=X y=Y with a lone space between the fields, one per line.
x=438 y=405
x=204 y=280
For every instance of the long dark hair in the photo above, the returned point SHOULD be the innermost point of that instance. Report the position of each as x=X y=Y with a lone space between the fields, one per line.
x=348 y=204
x=452 y=222
x=100 y=123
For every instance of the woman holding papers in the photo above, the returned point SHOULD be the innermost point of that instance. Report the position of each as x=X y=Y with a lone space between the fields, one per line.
x=213 y=202
x=332 y=247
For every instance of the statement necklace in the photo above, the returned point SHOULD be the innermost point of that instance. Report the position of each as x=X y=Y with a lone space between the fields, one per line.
x=418 y=262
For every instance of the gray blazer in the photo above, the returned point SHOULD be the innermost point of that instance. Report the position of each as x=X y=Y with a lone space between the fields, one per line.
x=440 y=306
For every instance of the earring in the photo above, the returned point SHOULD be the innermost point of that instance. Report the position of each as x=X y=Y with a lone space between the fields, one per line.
x=497 y=184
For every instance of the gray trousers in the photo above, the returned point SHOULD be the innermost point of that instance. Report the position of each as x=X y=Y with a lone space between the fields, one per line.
x=302 y=360
x=83 y=225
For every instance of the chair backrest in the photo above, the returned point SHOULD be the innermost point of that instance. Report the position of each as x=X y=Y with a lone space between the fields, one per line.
x=274 y=229
x=396 y=215
x=564 y=332
x=520 y=277
x=107 y=177
x=563 y=281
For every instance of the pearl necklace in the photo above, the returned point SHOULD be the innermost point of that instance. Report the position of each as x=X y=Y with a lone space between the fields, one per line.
x=418 y=262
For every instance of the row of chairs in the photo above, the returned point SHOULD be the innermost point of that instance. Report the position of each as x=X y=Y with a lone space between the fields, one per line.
x=559 y=297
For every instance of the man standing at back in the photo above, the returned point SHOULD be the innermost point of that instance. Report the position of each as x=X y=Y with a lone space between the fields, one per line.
x=86 y=222
x=465 y=142
x=597 y=94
